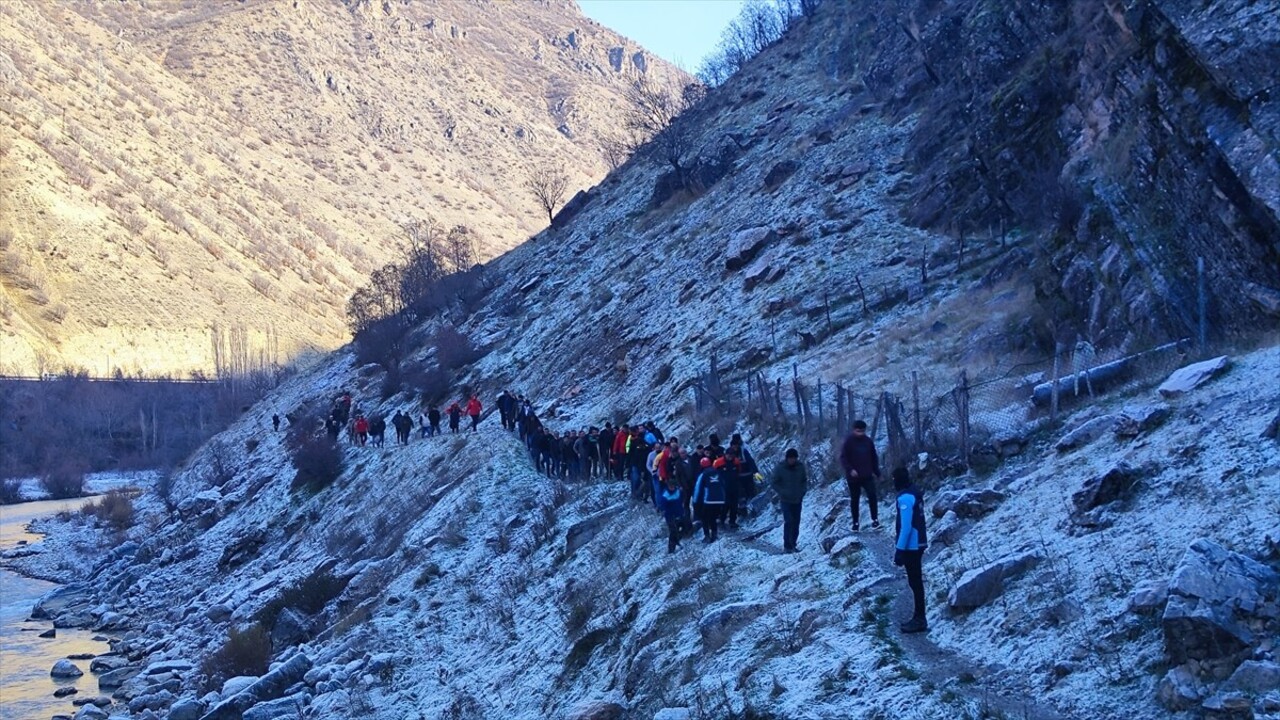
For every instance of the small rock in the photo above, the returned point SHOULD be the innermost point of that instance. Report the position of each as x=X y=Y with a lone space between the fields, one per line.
x=981 y=585
x=673 y=714
x=107 y=663
x=1255 y=677
x=1107 y=488
x=727 y=618
x=947 y=530
x=291 y=628
x=168 y=666
x=64 y=691
x=381 y=662
x=50 y=633
x=65 y=669
x=1149 y=598
x=151 y=701
x=332 y=705
x=1186 y=379
x=1179 y=689
x=113 y=679
x=846 y=544
x=745 y=245
x=285 y=708
x=1086 y=432
x=1228 y=706
x=1138 y=419
x=1266 y=299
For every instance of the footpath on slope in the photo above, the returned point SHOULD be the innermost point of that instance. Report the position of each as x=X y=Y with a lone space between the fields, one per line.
x=965 y=677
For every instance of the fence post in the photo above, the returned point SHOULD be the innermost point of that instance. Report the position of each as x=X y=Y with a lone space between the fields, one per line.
x=1053 y=387
x=821 y=417
x=875 y=422
x=826 y=305
x=962 y=409
x=795 y=387
x=915 y=401
x=861 y=294
x=840 y=426
x=1202 y=305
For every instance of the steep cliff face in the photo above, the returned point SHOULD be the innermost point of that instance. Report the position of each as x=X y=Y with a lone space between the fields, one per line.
x=1135 y=138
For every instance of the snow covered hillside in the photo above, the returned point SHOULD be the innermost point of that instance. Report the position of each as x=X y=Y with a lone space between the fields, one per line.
x=1112 y=564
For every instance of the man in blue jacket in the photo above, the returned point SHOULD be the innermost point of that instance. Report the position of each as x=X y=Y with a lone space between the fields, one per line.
x=912 y=541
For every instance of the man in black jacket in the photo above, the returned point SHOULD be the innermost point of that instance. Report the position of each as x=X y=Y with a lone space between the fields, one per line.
x=861 y=471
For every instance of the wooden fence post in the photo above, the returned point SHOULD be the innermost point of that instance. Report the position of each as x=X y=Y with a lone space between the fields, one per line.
x=1053 y=387
x=1202 y=307
x=795 y=387
x=915 y=401
x=821 y=417
x=840 y=425
x=962 y=410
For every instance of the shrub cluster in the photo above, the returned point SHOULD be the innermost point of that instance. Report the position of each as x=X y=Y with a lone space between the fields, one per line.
x=63 y=481
x=115 y=509
x=246 y=652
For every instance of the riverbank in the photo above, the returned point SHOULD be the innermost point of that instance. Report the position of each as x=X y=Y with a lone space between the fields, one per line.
x=26 y=653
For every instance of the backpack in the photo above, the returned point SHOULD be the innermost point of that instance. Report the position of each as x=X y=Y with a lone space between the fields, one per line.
x=713 y=492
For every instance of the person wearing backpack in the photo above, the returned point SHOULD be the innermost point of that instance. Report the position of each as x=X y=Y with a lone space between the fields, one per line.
x=710 y=493
x=912 y=541
x=790 y=481
x=473 y=410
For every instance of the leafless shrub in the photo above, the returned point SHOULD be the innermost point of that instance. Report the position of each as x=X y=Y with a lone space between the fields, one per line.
x=548 y=184
x=65 y=480
x=115 y=509
x=246 y=652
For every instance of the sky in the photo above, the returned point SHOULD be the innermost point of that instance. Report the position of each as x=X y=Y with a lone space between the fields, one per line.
x=680 y=31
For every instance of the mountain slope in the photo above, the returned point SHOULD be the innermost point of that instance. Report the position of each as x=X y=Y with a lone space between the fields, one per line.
x=804 y=247
x=176 y=167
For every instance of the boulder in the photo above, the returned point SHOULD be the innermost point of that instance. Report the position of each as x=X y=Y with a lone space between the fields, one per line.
x=107 y=663
x=49 y=634
x=673 y=714
x=745 y=245
x=279 y=709
x=967 y=504
x=66 y=600
x=114 y=679
x=755 y=277
x=1149 y=598
x=779 y=173
x=188 y=709
x=151 y=701
x=268 y=687
x=218 y=613
x=1179 y=689
x=1086 y=432
x=65 y=691
x=597 y=710
x=980 y=586
x=581 y=532
x=1256 y=677
x=1214 y=596
x=290 y=628
x=91 y=712
x=65 y=669
x=1186 y=379
x=237 y=685
x=1109 y=487
x=947 y=530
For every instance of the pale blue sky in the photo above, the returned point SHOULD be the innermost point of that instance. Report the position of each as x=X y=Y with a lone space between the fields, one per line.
x=680 y=31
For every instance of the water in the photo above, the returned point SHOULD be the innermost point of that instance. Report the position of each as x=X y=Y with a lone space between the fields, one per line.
x=26 y=690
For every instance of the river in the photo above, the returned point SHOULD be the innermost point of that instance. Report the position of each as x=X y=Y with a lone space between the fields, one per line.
x=26 y=690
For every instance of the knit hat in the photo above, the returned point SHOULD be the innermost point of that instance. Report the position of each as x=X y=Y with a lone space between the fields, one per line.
x=706 y=462
x=793 y=453
x=719 y=463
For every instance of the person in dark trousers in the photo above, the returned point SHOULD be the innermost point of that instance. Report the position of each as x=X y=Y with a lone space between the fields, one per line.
x=455 y=417
x=710 y=494
x=912 y=541
x=673 y=511
x=275 y=423
x=378 y=431
x=790 y=481
x=433 y=417
x=861 y=471
x=473 y=410
x=605 y=447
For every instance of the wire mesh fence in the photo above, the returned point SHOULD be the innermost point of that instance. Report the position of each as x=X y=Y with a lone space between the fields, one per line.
x=990 y=412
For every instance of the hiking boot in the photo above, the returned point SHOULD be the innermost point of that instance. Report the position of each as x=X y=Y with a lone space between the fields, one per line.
x=855 y=527
x=875 y=524
x=707 y=540
x=915 y=625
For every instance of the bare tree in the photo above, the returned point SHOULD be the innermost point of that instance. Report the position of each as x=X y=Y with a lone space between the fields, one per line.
x=654 y=113
x=549 y=185
x=461 y=246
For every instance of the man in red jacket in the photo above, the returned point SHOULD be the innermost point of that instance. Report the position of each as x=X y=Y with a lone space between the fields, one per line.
x=473 y=409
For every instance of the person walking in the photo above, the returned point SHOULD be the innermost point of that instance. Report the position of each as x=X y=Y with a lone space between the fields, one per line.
x=673 y=512
x=361 y=428
x=790 y=481
x=473 y=410
x=455 y=417
x=433 y=417
x=861 y=471
x=710 y=494
x=912 y=541
x=275 y=423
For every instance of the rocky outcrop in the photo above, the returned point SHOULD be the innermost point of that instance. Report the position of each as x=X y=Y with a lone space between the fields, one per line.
x=269 y=687
x=967 y=504
x=597 y=710
x=1218 y=602
x=1086 y=432
x=1136 y=420
x=1109 y=487
x=581 y=532
x=745 y=245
